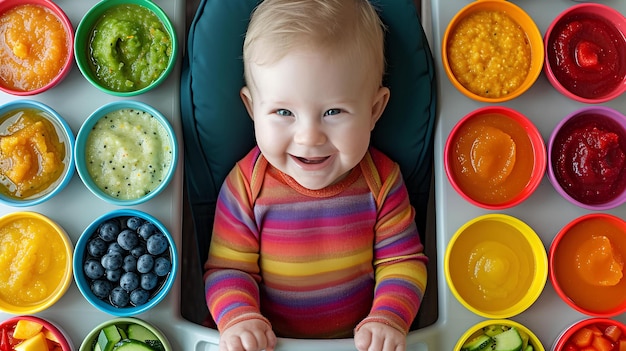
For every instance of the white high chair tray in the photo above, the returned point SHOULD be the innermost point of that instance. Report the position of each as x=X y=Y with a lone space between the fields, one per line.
x=545 y=211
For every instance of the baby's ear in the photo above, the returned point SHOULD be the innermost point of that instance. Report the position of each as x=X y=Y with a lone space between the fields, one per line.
x=380 y=102
x=246 y=97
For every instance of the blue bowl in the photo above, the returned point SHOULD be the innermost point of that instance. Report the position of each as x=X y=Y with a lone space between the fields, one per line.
x=9 y=114
x=117 y=174
x=88 y=247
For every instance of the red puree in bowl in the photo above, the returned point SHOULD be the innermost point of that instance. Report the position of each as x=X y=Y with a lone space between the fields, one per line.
x=587 y=55
x=589 y=158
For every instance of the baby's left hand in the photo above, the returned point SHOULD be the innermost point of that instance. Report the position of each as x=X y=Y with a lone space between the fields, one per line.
x=375 y=336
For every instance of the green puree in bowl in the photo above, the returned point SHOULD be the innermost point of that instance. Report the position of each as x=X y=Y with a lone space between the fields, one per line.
x=129 y=48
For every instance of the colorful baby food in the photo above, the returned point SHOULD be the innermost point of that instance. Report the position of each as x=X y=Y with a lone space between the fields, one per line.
x=588 y=264
x=128 y=154
x=491 y=265
x=127 y=261
x=587 y=55
x=32 y=156
x=28 y=335
x=34 y=262
x=588 y=158
x=597 y=337
x=489 y=54
x=35 y=47
x=498 y=337
x=492 y=158
x=127 y=337
x=129 y=48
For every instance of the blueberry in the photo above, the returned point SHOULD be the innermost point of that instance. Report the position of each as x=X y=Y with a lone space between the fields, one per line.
x=139 y=297
x=97 y=247
x=112 y=260
x=128 y=239
x=149 y=280
x=139 y=250
x=134 y=223
x=162 y=266
x=145 y=263
x=129 y=281
x=119 y=297
x=130 y=263
x=114 y=275
x=115 y=247
x=93 y=269
x=157 y=244
x=101 y=288
x=147 y=230
x=109 y=230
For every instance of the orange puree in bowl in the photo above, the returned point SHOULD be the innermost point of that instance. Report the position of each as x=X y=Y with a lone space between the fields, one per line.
x=33 y=261
x=34 y=47
x=588 y=264
x=31 y=155
x=486 y=159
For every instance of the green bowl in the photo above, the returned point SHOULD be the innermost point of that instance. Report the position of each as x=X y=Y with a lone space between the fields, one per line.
x=123 y=323
x=123 y=37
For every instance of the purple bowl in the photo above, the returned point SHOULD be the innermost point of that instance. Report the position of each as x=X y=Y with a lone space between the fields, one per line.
x=608 y=121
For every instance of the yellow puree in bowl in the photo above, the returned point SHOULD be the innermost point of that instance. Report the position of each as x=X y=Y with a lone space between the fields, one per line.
x=489 y=54
x=33 y=261
x=492 y=266
x=31 y=155
x=34 y=48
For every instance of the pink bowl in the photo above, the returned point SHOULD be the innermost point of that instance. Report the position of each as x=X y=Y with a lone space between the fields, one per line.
x=613 y=21
x=598 y=325
x=615 y=122
x=61 y=337
x=7 y=5
x=526 y=172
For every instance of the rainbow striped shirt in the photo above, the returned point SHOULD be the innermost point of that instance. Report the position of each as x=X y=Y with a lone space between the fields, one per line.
x=315 y=263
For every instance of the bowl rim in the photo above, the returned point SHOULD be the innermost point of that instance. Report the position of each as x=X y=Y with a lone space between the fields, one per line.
x=564 y=336
x=540 y=259
x=81 y=280
x=532 y=33
x=86 y=25
x=619 y=309
x=606 y=111
x=63 y=286
x=508 y=322
x=537 y=143
x=85 y=344
x=64 y=339
x=547 y=68
x=69 y=29
x=83 y=135
x=67 y=137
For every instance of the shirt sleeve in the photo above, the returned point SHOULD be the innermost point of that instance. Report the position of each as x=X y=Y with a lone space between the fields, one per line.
x=231 y=270
x=399 y=261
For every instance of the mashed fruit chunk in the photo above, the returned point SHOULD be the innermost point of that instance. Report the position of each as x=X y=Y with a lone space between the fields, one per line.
x=598 y=263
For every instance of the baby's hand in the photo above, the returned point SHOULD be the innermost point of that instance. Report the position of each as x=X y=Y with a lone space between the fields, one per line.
x=375 y=336
x=249 y=335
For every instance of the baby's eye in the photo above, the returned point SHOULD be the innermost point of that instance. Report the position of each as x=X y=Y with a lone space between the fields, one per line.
x=332 y=112
x=284 y=112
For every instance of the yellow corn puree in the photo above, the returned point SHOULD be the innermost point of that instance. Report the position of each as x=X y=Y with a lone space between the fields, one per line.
x=489 y=54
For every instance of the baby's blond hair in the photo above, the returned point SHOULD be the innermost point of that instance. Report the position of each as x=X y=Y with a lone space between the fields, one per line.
x=337 y=27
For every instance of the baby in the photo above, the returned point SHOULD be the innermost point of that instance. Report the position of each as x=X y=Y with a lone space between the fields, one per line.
x=314 y=235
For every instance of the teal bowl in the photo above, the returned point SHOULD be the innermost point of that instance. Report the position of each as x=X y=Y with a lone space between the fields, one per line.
x=126 y=152
x=144 y=45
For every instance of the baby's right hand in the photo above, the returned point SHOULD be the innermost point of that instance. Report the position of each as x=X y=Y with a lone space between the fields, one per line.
x=248 y=335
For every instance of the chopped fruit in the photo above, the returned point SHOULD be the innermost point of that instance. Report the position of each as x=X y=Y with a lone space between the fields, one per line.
x=587 y=54
x=602 y=344
x=25 y=329
x=582 y=337
x=35 y=343
x=613 y=332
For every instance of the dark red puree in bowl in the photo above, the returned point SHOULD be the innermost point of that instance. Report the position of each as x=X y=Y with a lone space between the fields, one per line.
x=587 y=54
x=589 y=157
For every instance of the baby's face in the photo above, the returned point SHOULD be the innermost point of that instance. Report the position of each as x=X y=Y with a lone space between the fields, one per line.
x=313 y=114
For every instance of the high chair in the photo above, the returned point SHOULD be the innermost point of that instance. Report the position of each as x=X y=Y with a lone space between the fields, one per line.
x=218 y=132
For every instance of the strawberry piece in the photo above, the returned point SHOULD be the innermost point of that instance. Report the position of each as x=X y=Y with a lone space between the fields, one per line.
x=613 y=332
x=587 y=54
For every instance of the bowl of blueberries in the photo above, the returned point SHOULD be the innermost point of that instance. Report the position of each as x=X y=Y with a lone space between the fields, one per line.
x=125 y=262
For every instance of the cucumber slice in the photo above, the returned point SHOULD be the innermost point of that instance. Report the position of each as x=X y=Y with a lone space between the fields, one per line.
x=494 y=329
x=480 y=342
x=108 y=337
x=132 y=345
x=509 y=340
x=141 y=333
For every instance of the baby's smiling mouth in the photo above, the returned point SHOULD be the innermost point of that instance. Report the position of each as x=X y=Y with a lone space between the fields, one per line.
x=311 y=160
